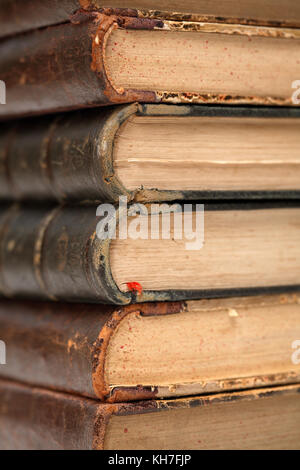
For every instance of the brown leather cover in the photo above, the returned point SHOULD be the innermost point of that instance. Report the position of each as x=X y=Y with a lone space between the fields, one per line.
x=69 y=157
x=35 y=419
x=14 y=18
x=63 y=346
x=61 y=68
x=56 y=254
x=17 y=16
x=63 y=157
x=39 y=419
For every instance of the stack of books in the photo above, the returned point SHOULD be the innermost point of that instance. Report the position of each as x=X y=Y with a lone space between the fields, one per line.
x=150 y=225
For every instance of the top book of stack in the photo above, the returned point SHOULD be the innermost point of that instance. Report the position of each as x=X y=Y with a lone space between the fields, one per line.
x=15 y=18
x=106 y=56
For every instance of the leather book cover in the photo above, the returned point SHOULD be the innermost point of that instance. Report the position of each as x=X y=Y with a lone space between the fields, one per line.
x=70 y=157
x=14 y=18
x=64 y=347
x=56 y=254
x=64 y=67
x=39 y=419
x=151 y=350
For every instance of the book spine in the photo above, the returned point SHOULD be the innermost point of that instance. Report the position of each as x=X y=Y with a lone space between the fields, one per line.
x=56 y=421
x=64 y=157
x=64 y=347
x=52 y=345
x=64 y=66
x=58 y=254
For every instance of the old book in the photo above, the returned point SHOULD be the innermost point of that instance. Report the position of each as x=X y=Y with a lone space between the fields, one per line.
x=151 y=252
x=258 y=419
x=14 y=18
x=150 y=351
x=152 y=153
x=99 y=59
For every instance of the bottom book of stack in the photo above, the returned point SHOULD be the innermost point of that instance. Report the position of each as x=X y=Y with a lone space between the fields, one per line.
x=207 y=374
x=38 y=419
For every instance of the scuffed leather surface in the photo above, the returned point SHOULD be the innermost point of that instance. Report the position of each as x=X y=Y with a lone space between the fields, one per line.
x=60 y=157
x=64 y=347
x=52 y=344
x=49 y=70
x=39 y=419
x=51 y=254
x=35 y=419
x=17 y=16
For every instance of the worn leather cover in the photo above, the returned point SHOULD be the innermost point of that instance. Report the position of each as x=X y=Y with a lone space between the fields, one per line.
x=17 y=16
x=64 y=157
x=56 y=254
x=39 y=419
x=14 y=18
x=63 y=346
x=63 y=67
x=35 y=419
x=69 y=157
